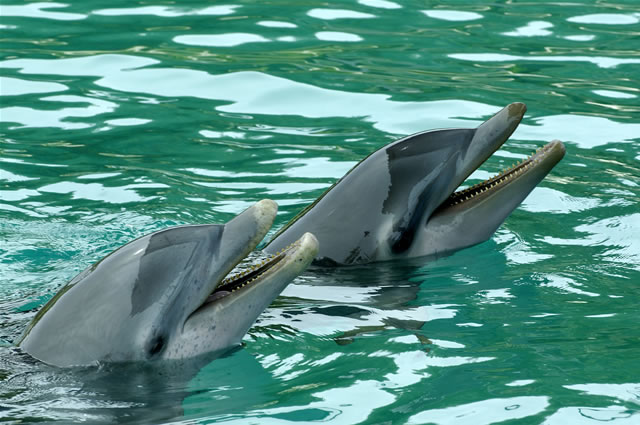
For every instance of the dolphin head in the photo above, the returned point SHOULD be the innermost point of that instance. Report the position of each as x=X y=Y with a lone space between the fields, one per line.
x=165 y=296
x=424 y=168
x=472 y=215
x=383 y=208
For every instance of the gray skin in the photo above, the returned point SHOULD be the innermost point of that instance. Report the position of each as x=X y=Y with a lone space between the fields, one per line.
x=152 y=298
x=394 y=203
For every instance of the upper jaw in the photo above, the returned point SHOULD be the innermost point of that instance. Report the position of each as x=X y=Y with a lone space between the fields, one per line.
x=284 y=265
x=481 y=144
x=489 y=137
x=222 y=315
x=472 y=215
x=537 y=165
x=223 y=319
x=240 y=236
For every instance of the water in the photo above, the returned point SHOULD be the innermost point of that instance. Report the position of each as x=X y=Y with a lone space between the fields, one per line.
x=118 y=120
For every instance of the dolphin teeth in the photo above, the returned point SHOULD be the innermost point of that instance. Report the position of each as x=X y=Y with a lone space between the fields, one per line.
x=505 y=176
x=250 y=274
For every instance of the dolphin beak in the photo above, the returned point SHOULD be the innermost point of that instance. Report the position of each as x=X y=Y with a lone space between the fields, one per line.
x=239 y=237
x=490 y=136
x=234 y=300
x=472 y=215
x=234 y=305
x=518 y=179
x=282 y=267
x=230 y=310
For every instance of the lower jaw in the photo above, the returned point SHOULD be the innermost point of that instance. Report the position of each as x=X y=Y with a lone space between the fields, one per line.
x=544 y=159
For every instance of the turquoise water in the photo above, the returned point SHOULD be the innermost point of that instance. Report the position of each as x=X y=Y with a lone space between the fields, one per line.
x=118 y=120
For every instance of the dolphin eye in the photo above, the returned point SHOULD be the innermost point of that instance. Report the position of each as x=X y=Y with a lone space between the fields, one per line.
x=156 y=345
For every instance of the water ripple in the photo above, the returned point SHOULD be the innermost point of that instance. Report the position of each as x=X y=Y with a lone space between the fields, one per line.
x=532 y=29
x=381 y=4
x=119 y=120
x=485 y=412
x=220 y=40
x=34 y=118
x=600 y=61
x=605 y=19
x=169 y=12
x=16 y=86
x=452 y=15
x=337 y=36
x=331 y=14
x=35 y=10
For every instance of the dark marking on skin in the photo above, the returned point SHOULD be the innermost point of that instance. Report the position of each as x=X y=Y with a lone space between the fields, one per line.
x=217 y=295
x=411 y=166
x=156 y=345
x=156 y=269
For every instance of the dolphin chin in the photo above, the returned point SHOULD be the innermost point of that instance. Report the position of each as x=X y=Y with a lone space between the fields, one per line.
x=400 y=201
x=166 y=295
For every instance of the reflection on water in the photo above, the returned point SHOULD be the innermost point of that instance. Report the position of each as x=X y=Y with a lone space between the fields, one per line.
x=601 y=61
x=330 y=14
x=36 y=10
x=168 y=12
x=382 y=4
x=119 y=120
x=452 y=15
x=485 y=412
x=30 y=117
x=220 y=40
x=337 y=36
x=532 y=29
x=16 y=86
x=606 y=19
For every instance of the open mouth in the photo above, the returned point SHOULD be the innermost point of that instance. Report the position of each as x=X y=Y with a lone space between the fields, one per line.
x=247 y=273
x=552 y=151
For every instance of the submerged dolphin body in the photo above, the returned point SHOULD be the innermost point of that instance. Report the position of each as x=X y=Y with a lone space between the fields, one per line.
x=165 y=296
x=399 y=202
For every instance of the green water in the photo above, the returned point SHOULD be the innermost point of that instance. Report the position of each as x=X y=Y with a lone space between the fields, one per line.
x=118 y=120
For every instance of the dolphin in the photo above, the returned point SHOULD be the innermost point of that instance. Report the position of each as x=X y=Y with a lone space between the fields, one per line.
x=400 y=201
x=165 y=296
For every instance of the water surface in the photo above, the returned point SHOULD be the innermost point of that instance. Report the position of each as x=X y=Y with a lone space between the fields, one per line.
x=120 y=119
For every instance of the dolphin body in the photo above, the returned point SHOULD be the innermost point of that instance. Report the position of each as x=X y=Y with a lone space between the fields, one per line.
x=165 y=296
x=399 y=202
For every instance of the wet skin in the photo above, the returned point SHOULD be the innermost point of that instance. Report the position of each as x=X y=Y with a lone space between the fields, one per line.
x=164 y=296
x=399 y=202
